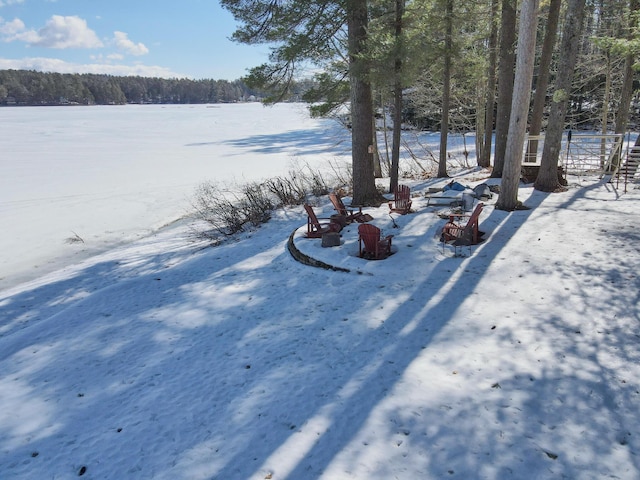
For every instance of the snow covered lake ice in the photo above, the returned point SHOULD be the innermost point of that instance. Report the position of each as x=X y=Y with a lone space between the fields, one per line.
x=110 y=174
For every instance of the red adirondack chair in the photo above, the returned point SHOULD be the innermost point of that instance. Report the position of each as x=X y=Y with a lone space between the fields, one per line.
x=458 y=235
x=349 y=214
x=371 y=246
x=402 y=200
x=316 y=228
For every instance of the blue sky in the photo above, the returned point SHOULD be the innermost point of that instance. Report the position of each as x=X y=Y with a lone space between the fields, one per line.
x=158 y=38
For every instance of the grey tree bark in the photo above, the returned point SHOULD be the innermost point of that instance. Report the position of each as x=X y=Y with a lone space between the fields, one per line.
x=622 y=115
x=397 y=99
x=548 y=180
x=505 y=83
x=364 y=186
x=446 y=86
x=508 y=199
x=484 y=160
x=542 y=82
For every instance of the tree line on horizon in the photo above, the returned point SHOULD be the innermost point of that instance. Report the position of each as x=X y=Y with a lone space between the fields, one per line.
x=28 y=87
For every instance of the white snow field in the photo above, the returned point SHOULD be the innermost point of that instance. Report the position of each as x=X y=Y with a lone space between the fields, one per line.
x=114 y=173
x=157 y=358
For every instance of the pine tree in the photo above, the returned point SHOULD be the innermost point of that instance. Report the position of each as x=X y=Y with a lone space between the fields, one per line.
x=311 y=32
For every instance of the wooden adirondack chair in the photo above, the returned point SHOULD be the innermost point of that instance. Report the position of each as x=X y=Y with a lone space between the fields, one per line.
x=371 y=246
x=402 y=200
x=316 y=228
x=349 y=214
x=458 y=235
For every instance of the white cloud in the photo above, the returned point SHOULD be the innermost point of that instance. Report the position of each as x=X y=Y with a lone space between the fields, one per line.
x=59 y=32
x=9 y=30
x=41 y=64
x=123 y=43
x=9 y=2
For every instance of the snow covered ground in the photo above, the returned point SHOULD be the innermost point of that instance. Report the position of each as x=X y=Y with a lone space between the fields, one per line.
x=111 y=174
x=160 y=359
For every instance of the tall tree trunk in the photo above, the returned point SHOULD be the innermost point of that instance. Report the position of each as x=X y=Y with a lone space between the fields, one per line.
x=484 y=160
x=377 y=167
x=505 y=82
x=542 y=82
x=626 y=93
x=604 y=122
x=446 y=95
x=508 y=199
x=548 y=180
x=385 y=128
x=397 y=98
x=622 y=115
x=364 y=186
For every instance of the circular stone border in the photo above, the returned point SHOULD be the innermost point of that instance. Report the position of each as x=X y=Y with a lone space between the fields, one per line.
x=307 y=260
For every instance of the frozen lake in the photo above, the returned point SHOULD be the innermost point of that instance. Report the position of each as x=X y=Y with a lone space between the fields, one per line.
x=111 y=174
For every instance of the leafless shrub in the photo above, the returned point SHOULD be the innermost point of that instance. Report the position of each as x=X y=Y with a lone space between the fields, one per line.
x=423 y=162
x=286 y=190
x=229 y=211
x=300 y=182
x=342 y=172
x=317 y=184
x=212 y=205
x=256 y=204
x=308 y=180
